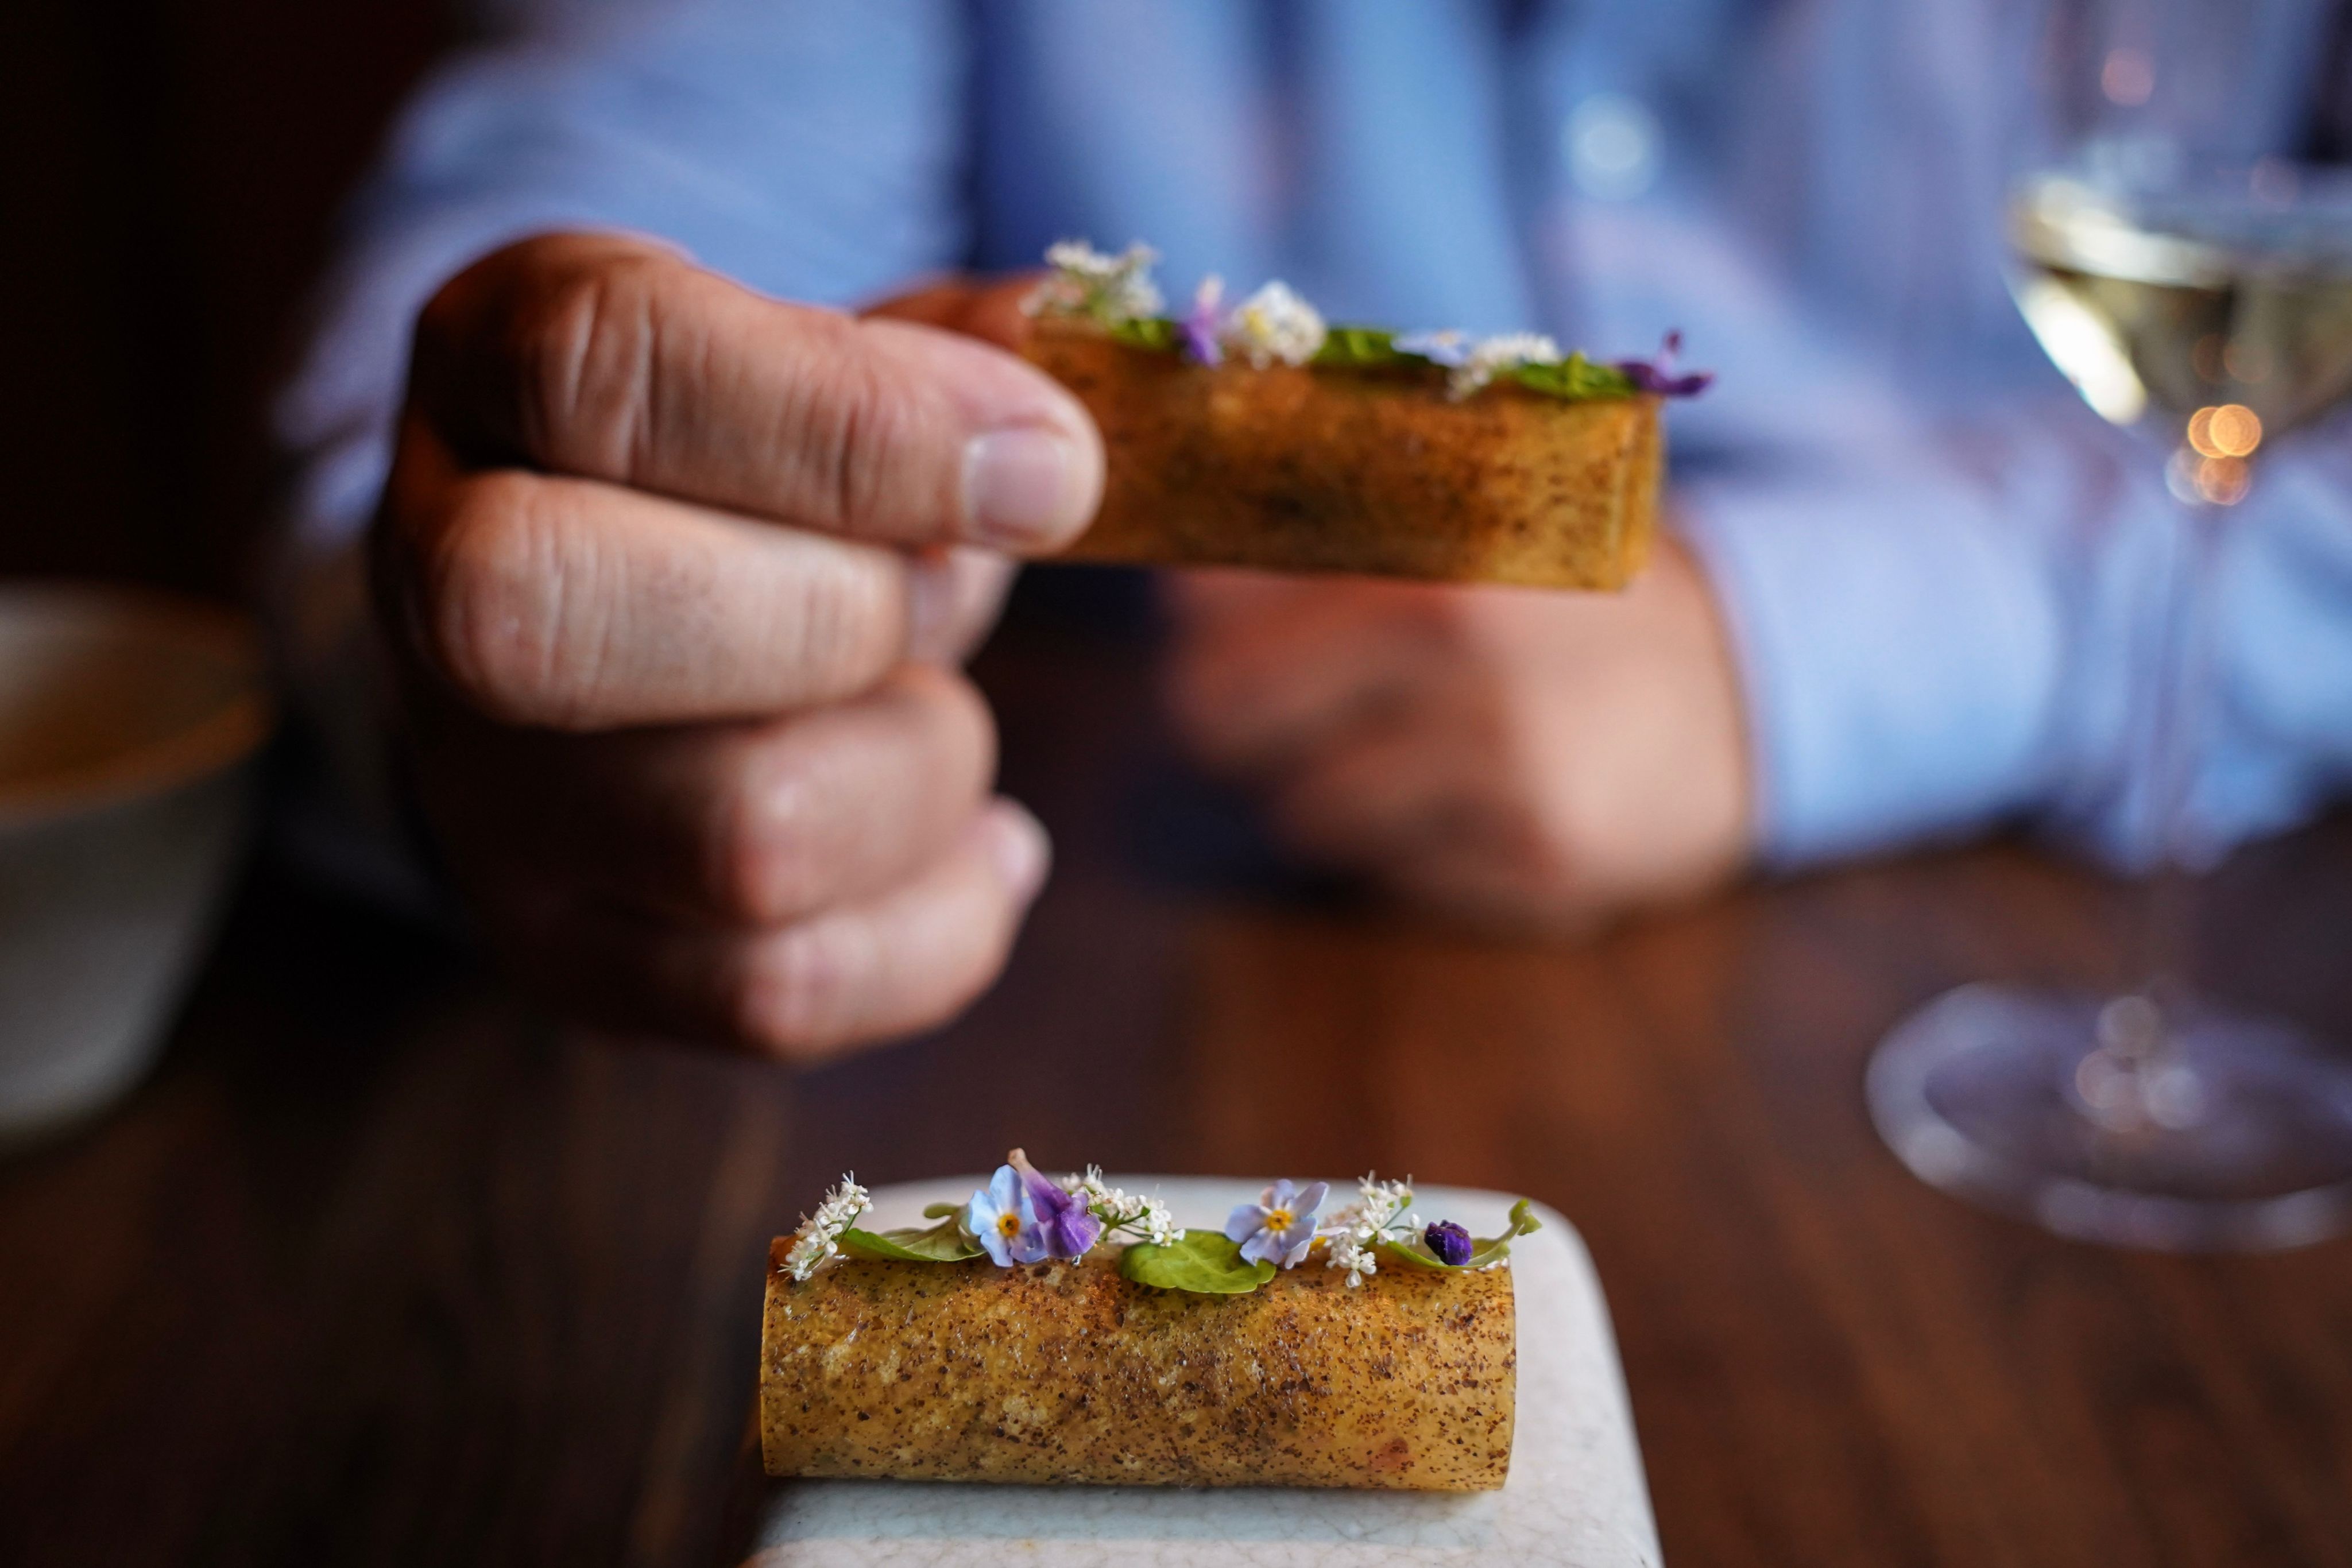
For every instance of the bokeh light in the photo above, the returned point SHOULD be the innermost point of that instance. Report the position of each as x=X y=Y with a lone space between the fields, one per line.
x=2228 y=429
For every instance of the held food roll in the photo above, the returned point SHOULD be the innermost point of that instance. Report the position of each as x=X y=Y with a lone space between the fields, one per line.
x=1296 y=470
x=1063 y=1372
x=1259 y=436
x=1016 y=1340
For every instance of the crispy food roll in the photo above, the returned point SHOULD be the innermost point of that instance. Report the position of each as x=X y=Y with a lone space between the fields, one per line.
x=1362 y=471
x=1066 y=1372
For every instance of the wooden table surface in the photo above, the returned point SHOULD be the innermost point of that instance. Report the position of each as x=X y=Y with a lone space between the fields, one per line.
x=383 y=1268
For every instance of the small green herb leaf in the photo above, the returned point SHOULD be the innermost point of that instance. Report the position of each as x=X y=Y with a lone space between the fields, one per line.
x=942 y=1243
x=1575 y=378
x=1413 y=1252
x=1202 y=1261
x=1157 y=333
x=941 y=1210
x=1358 y=346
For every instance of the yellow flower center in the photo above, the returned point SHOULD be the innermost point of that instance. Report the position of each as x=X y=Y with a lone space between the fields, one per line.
x=1008 y=1224
x=1279 y=1219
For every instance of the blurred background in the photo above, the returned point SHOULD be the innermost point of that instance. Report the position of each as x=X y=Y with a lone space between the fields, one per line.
x=171 y=168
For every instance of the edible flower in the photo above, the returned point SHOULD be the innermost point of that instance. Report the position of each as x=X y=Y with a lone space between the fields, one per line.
x=1280 y=1227
x=1146 y=1217
x=1084 y=282
x=1448 y=1242
x=1275 y=324
x=1490 y=357
x=1357 y=1231
x=1657 y=375
x=1003 y=1220
x=1063 y=1221
x=814 y=1241
x=1196 y=334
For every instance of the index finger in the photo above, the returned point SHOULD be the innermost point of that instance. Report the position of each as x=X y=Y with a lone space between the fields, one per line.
x=611 y=359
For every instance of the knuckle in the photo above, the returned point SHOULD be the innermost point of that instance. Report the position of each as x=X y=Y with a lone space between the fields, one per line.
x=958 y=727
x=495 y=585
x=584 y=354
x=849 y=427
x=767 y=860
x=800 y=994
x=848 y=623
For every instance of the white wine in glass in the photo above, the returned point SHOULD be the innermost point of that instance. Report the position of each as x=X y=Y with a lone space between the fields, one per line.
x=2234 y=295
x=2205 y=302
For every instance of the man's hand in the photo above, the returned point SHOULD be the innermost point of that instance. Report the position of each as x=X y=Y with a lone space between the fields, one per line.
x=1514 y=756
x=675 y=576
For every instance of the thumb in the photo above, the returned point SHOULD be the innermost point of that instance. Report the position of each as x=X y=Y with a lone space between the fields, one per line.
x=611 y=359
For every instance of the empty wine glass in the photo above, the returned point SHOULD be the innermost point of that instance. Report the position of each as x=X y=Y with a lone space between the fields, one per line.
x=2193 y=279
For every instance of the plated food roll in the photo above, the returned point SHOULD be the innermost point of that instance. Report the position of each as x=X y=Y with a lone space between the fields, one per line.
x=1047 y=1358
x=1068 y=1372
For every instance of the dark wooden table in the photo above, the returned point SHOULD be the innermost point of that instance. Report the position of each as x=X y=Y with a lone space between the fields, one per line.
x=383 y=1268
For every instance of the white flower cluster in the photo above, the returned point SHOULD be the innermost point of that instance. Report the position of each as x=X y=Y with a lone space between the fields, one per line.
x=1148 y=1217
x=1490 y=357
x=813 y=1242
x=1274 y=324
x=1085 y=282
x=1356 y=1231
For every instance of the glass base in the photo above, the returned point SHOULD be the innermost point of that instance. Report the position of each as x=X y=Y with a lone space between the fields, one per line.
x=2196 y=1129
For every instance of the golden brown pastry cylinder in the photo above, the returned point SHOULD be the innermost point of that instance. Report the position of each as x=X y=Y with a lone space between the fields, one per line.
x=1066 y=1372
x=1298 y=470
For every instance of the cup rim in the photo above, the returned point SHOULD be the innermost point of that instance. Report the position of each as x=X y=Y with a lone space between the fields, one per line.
x=217 y=739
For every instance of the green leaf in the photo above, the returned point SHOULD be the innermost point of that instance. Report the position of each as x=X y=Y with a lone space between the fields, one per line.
x=1156 y=333
x=1574 y=378
x=942 y=1243
x=1416 y=1252
x=1358 y=346
x=941 y=1210
x=1201 y=1261
x=1482 y=1252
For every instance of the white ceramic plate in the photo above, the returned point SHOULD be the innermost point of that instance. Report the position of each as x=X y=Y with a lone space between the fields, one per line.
x=1575 y=1494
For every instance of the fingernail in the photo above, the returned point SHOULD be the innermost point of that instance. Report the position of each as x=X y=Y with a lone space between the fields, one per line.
x=1027 y=487
x=1021 y=848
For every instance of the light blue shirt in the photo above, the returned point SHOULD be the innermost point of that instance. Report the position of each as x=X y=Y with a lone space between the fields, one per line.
x=1944 y=576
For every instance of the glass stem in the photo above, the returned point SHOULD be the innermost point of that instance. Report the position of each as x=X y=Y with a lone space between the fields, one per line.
x=2172 y=842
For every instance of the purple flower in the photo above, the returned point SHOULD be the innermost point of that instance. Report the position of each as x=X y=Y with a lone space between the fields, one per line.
x=1064 y=1219
x=1002 y=1219
x=1197 y=333
x=1280 y=1227
x=1449 y=1242
x=1657 y=375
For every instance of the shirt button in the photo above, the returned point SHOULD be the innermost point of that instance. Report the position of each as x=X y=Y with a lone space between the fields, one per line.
x=1610 y=142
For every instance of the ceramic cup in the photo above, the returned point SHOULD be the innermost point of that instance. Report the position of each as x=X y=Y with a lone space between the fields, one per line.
x=130 y=722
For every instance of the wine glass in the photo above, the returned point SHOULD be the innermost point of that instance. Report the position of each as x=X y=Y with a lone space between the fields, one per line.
x=2194 y=280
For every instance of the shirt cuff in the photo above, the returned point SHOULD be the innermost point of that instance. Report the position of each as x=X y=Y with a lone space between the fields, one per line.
x=1901 y=650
